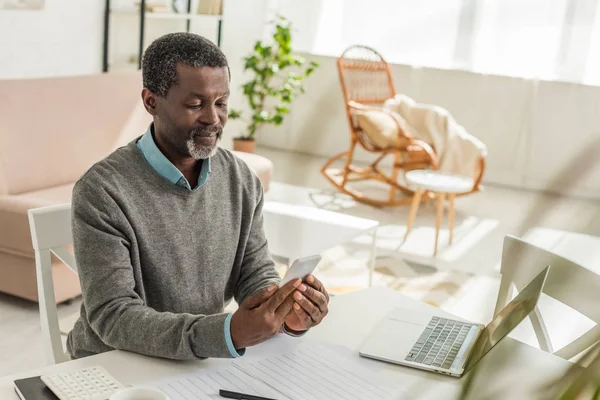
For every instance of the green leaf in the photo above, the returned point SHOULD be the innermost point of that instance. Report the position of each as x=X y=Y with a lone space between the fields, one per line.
x=235 y=114
x=278 y=119
x=284 y=63
x=282 y=109
x=250 y=62
x=268 y=64
x=266 y=51
x=248 y=88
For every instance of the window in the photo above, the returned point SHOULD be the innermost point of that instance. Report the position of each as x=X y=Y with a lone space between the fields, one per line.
x=547 y=39
x=518 y=37
x=404 y=31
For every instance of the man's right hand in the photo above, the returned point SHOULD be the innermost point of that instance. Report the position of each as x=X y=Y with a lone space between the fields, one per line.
x=260 y=316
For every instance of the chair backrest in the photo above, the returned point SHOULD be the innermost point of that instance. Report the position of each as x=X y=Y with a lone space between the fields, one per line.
x=366 y=79
x=365 y=76
x=568 y=282
x=50 y=233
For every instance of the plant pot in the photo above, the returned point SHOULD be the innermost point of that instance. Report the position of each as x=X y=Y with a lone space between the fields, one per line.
x=245 y=145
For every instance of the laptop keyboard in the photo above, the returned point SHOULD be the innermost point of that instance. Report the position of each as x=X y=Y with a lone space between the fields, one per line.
x=439 y=343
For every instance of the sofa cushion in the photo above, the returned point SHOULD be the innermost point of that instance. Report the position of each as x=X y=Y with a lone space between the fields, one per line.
x=13 y=215
x=382 y=127
x=19 y=279
x=262 y=167
x=53 y=129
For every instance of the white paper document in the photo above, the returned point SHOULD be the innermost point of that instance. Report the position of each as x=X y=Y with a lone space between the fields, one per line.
x=311 y=371
x=205 y=385
x=317 y=372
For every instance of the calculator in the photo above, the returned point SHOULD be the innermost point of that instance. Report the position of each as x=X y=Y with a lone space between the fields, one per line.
x=92 y=383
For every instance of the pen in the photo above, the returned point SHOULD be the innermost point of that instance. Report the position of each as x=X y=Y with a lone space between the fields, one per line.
x=240 y=396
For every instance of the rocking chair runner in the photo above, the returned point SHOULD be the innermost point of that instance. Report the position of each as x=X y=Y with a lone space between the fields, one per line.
x=367 y=83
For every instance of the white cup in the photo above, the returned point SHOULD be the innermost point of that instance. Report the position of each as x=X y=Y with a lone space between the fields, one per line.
x=139 y=393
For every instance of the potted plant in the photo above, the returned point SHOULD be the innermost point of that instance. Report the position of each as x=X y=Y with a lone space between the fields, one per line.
x=276 y=80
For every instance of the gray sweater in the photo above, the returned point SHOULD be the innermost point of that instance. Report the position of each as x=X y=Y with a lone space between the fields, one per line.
x=158 y=263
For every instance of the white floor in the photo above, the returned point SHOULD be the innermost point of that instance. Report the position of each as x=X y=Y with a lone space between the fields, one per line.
x=482 y=221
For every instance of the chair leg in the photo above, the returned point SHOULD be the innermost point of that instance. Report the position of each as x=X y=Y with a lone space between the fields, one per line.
x=438 y=219
x=348 y=162
x=413 y=211
x=395 y=171
x=451 y=197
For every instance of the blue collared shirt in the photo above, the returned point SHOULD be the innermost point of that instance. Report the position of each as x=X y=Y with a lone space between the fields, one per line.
x=167 y=170
x=164 y=167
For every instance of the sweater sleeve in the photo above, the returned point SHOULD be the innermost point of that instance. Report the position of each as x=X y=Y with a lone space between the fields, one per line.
x=258 y=269
x=115 y=311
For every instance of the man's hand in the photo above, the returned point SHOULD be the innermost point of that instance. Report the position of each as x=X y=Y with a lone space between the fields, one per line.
x=260 y=316
x=310 y=305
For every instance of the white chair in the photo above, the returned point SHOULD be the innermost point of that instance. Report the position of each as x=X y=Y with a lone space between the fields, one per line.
x=50 y=233
x=569 y=283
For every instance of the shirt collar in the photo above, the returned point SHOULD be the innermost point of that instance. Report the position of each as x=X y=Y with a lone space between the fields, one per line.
x=164 y=167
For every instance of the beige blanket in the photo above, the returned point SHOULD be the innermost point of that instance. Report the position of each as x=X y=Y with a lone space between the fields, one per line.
x=458 y=152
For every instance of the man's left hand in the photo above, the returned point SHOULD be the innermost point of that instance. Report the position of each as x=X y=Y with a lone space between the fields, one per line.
x=310 y=305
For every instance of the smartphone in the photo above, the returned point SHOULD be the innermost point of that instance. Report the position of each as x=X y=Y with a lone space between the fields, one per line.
x=300 y=268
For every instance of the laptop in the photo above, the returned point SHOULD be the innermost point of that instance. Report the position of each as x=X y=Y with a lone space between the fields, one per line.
x=442 y=345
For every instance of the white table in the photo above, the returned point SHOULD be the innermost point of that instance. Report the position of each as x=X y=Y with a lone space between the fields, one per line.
x=295 y=231
x=351 y=318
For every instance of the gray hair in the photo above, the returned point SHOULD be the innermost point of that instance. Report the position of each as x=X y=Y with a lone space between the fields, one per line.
x=162 y=56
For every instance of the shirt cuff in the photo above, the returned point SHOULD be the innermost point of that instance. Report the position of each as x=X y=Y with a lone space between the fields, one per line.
x=234 y=353
x=283 y=329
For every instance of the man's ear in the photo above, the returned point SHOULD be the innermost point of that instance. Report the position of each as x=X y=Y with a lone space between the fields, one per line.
x=150 y=101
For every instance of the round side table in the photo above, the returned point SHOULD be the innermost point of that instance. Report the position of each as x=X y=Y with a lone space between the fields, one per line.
x=442 y=185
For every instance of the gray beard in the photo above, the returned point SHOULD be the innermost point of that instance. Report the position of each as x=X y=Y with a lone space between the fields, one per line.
x=201 y=152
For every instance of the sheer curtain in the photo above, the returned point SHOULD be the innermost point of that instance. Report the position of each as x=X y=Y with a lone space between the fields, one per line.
x=545 y=39
x=592 y=62
x=518 y=37
x=405 y=31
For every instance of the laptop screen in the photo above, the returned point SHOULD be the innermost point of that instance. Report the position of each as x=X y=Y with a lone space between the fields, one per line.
x=508 y=319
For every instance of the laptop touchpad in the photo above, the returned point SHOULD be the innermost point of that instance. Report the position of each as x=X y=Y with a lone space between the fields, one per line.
x=396 y=335
x=410 y=317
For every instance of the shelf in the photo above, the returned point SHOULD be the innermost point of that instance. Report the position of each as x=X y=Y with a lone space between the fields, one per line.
x=170 y=15
x=205 y=19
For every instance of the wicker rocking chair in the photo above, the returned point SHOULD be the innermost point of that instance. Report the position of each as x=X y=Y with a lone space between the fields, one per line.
x=367 y=83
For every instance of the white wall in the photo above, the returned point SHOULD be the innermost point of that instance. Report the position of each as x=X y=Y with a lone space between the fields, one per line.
x=63 y=38
x=66 y=37
x=244 y=22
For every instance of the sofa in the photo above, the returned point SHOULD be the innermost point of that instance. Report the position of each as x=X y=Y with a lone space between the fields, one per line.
x=51 y=131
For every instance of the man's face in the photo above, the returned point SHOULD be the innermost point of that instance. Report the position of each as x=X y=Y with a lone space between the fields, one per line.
x=192 y=116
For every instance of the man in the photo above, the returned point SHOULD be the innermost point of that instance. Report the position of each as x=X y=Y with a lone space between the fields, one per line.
x=168 y=229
